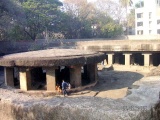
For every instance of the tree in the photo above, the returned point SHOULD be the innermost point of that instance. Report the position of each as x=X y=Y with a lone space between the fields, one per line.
x=39 y=15
x=125 y=4
x=78 y=18
x=9 y=11
x=78 y=8
x=131 y=18
x=111 y=30
x=106 y=26
x=110 y=8
x=139 y=4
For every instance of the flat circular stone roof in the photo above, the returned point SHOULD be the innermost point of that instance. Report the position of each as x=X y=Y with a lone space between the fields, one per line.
x=52 y=57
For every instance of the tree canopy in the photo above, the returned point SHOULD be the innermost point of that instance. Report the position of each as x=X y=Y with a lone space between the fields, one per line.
x=39 y=15
x=37 y=19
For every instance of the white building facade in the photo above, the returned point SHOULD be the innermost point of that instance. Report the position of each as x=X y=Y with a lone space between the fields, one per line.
x=147 y=18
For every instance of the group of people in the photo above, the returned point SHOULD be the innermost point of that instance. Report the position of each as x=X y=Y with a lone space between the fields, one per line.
x=65 y=86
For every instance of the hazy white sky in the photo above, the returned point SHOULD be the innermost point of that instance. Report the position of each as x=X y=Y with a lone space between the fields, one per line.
x=90 y=0
x=134 y=1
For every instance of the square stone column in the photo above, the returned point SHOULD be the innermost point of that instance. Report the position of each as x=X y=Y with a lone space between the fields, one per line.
x=50 y=78
x=146 y=59
x=105 y=62
x=110 y=59
x=25 y=79
x=9 y=76
x=92 y=72
x=127 y=59
x=75 y=76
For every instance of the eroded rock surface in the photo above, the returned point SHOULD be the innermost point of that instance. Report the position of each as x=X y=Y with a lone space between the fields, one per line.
x=139 y=104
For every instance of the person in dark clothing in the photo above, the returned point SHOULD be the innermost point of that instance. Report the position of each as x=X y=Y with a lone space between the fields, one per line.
x=64 y=87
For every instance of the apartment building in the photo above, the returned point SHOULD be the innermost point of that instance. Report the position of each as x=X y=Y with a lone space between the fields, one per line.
x=147 y=17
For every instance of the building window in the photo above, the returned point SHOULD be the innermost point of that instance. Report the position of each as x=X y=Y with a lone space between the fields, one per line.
x=158 y=22
x=140 y=4
x=139 y=15
x=158 y=2
x=140 y=32
x=139 y=24
x=150 y=31
x=150 y=23
x=130 y=33
x=150 y=15
x=158 y=31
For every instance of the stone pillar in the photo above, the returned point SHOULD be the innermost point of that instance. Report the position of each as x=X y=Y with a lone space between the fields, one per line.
x=9 y=76
x=110 y=59
x=50 y=79
x=75 y=76
x=127 y=59
x=92 y=72
x=25 y=79
x=105 y=62
x=146 y=59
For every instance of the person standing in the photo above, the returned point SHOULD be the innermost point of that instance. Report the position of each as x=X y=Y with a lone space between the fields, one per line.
x=64 y=87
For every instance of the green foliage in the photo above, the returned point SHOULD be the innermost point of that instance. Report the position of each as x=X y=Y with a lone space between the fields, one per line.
x=106 y=26
x=111 y=29
x=16 y=33
x=75 y=28
x=39 y=15
x=36 y=19
x=9 y=10
x=126 y=3
x=139 y=4
x=131 y=18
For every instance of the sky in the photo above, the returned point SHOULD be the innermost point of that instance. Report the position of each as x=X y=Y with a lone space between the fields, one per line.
x=90 y=0
x=134 y=1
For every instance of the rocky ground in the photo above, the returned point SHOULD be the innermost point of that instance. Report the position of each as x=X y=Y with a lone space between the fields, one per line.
x=125 y=93
x=116 y=83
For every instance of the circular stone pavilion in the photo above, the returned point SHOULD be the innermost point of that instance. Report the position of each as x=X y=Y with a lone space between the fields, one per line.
x=51 y=66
